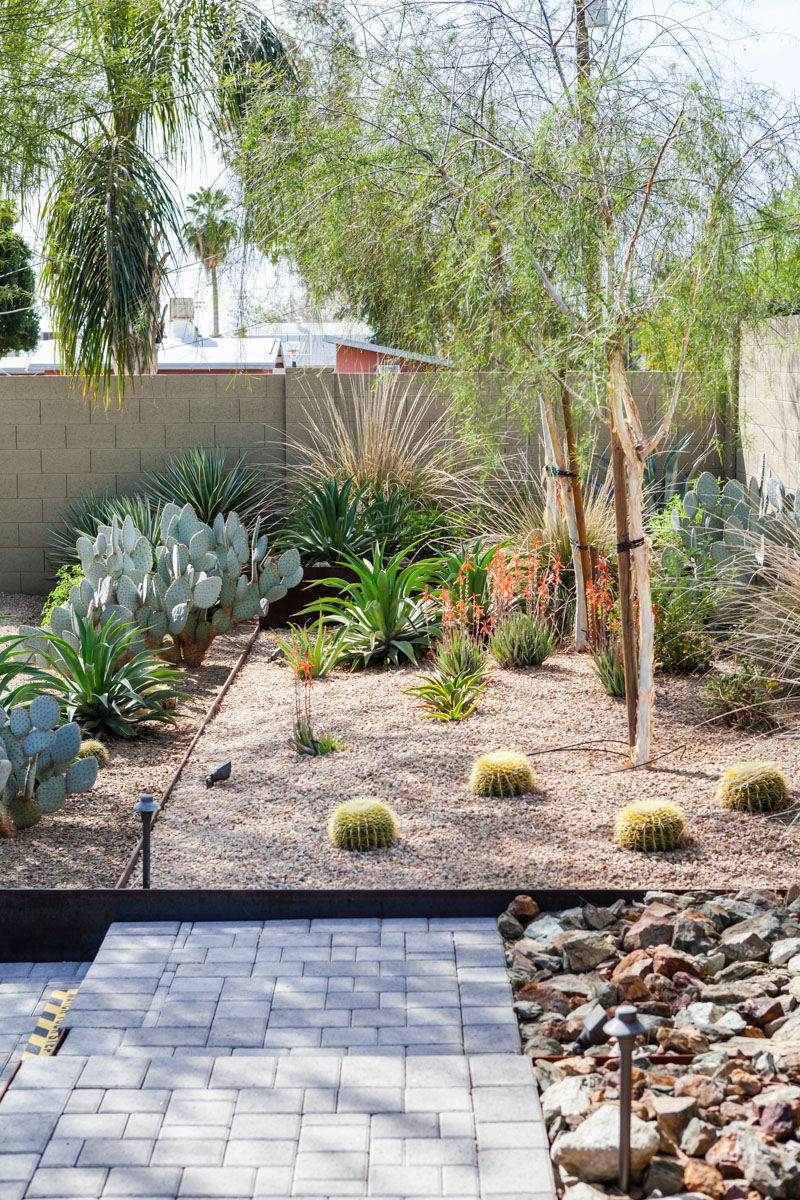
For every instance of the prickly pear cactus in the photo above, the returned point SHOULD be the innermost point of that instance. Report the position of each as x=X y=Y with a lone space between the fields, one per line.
x=204 y=579
x=39 y=766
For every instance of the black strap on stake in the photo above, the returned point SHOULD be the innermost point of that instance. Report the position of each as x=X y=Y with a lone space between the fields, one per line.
x=623 y=546
x=561 y=473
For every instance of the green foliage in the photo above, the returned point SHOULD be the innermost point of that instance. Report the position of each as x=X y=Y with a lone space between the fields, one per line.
x=650 y=825
x=208 y=233
x=521 y=640
x=85 y=515
x=364 y=823
x=19 y=320
x=315 y=645
x=753 y=787
x=16 y=670
x=92 y=748
x=305 y=741
x=744 y=698
x=99 y=685
x=501 y=773
x=458 y=651
x=325 y=521
x=202 y=478
x=38 y=764
x=67 y=577
x=381 y=612
x=464 y=573
x=685 y=596
x=449 y=696
x=607 y=662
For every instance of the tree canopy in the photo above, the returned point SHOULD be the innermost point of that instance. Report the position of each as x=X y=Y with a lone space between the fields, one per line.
x=19 y=320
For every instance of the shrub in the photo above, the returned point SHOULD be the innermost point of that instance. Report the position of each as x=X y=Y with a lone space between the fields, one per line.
x=85 y=515
x=382 y=612
x=449 y=697
x=607 y=662
x=201 y=478
x=501 y=773
x=98 y=685
x=325 y=521
x=67 y=577
x=364 y=823
x=521 y=640
x=650 y=825
x=92 y=748
x=682 y=644
x=743 y=698
x=753 y=787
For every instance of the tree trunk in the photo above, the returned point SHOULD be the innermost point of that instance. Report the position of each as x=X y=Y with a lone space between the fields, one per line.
x=556 y=456
x=626 y=618
x=580 y=515
x=215 y=300
x=626 y=421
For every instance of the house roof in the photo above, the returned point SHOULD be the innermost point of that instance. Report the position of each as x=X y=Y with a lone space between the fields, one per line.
x=391 y=351
x=174 y=354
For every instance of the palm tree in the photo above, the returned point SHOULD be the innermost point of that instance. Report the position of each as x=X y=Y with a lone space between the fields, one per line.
x=208 y=234
x=113 y=91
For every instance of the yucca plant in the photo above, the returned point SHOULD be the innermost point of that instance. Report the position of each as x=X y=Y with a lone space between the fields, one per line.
x=203 y=479
x=316 y=645
x=84 y=515
x=325 y=521
x=449 y=697
x=90 y=678
x=382 y=611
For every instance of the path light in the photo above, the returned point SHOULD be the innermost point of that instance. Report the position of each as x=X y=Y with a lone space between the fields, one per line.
x=219 y=776
x=593 y=1031
x=147 y=809
x=625 y=1026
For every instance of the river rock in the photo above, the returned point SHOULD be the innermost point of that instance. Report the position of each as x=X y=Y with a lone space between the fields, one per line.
x=591 y=1150
x=584 y=1191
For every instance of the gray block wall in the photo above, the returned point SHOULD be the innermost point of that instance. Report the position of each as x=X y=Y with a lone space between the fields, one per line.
x=56 y=442
x=769 y=399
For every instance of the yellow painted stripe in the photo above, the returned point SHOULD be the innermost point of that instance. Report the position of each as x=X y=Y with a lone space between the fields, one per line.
x=43 y=1042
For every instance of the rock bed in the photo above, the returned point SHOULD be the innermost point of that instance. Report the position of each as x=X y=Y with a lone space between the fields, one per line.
x=716 y=1080
x=267 y=825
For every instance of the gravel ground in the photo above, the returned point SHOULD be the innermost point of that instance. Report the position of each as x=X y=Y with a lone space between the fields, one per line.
x=266 y=826
x=87 y=843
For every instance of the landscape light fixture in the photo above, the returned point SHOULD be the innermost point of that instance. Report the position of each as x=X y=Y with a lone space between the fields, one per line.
x=593 y=1031
x=625 y=1026
x=219 y=776
x=147 y=809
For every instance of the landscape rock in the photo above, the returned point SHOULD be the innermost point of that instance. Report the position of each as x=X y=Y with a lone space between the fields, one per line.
x=591 y=1150
x=585 y=950
x=784 y=949
x=649 y=930
x=524 y=908
x=760 y=1010
x=673 y=1113
x=771 y=1169
x=569 y=1098
x=699 y=1176
x=790 y=1031
x=668 y=961
x=778 y=1118
x=698 y=1137
x=664 y=1175
x=682 y=1041
x=584 y=1191
x=693 y=932
x=743 y=944
x=509 y=927
x=543 y=929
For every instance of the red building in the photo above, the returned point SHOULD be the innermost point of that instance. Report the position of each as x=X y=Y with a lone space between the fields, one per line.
x=354 y=357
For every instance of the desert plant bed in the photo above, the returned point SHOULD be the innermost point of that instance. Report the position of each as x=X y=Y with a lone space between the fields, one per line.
x=86 y=843
x=267 y=825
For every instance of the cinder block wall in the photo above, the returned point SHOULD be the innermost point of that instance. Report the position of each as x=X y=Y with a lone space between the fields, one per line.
x=55 y=442
x=769 y=399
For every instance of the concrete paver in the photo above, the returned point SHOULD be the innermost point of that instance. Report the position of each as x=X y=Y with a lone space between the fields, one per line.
x=374 y=1059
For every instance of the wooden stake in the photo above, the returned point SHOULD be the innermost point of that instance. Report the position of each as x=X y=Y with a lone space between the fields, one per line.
x=580 y=515
x=627 y=623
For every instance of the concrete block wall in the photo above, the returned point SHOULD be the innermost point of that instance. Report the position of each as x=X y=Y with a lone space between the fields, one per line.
x=769 y=399
x=56 y=442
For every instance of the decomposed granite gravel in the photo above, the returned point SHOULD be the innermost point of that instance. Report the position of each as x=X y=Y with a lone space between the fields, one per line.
x=267 y=825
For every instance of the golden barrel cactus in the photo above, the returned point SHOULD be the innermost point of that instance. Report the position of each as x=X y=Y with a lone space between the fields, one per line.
x=753 y=787
x=501 y=773
x=650 y=825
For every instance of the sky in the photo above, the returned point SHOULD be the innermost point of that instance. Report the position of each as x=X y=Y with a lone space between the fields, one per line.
x=769 y=56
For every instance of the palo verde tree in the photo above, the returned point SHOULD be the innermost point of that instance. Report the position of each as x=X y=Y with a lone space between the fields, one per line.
x=19 y=320
x=523 y=192
x=208 y=233
x=114 y=90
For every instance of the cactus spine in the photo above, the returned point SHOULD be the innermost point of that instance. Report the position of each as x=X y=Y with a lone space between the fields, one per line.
x=92 y=748
x=753 y=787
x=501 y=773
x=39 y=767
x=650 y=825
x=364 y=823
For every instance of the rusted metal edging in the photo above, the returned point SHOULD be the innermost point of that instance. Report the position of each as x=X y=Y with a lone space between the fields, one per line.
x=217 y=701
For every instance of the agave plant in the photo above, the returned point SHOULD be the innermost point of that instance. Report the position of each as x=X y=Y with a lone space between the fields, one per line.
x=84 y=516
x=96 y=682
x=201 y=478
x=325 y=521
x=382 y=611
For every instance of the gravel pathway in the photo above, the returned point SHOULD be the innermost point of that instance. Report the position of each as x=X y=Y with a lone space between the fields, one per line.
x=266 y=826
x=286 y=1058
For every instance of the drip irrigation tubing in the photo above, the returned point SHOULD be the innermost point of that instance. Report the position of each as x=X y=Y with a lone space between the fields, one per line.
x=216 y=702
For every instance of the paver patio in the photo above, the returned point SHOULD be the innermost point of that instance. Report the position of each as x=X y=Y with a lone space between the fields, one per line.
x=286 y=1058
